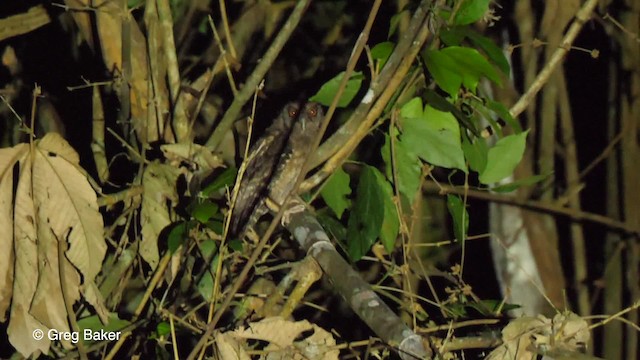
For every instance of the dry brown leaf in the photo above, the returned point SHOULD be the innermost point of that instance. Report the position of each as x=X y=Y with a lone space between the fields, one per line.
x=283 y=335
x=158 y=182
x=53 y=210
x=7 y=156
x=230 y=348
x=192 y=153
x=527 y=337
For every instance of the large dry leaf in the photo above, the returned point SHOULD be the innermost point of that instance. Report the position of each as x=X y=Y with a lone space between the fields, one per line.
x=158 y=182
x=527 y=337
x=8 y=156
x=285 y=342
x=230 y=348
x=52 y=238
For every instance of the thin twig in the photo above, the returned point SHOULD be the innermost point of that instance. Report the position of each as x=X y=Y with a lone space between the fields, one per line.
x=582 y=17
x=536 y=206
x=346 y=131
x=225 y=25
x=363 y=129
x=258 y=74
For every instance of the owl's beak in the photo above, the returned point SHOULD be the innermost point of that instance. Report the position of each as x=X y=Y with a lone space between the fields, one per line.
x=303 y=123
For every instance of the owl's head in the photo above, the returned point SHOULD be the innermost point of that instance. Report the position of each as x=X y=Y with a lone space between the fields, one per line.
x=306 y=118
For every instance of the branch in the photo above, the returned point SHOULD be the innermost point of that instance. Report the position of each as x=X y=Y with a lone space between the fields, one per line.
x=582 y=17
x=535 y=206
x=357 y=293
x=346 y=131
x=376 y=110
x=258 y=74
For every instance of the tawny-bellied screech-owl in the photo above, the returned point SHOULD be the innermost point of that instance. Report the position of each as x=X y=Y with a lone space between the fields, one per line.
x=274 y=163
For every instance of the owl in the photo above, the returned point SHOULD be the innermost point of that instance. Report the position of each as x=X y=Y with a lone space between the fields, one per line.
x=274 y=163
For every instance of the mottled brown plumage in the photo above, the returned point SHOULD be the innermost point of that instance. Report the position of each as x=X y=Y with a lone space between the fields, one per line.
x=274 y=163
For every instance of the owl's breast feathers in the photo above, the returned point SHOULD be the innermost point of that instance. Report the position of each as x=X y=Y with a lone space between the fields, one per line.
x=274 y=163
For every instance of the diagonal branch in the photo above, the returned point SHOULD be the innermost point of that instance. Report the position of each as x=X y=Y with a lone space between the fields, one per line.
x=258 y=74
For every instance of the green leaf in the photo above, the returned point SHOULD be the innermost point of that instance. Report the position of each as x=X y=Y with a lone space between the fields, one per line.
x=382 y=51
x=205 y=285
x=408 y=167
x=471 y=11
x=93 y=323
x=326 y=93
x=435 y=137
x=460 y=217
x=393 y=23
x=412 y=108
x=163 y=328
x=132 y=4
x=452 y=36
x=226 y=178
x=335 y=192
x=438 y=102
x=217 y=226
x=492 y=50
x=504 y=114
x=333 y=226
x=203 y=210
x=476 y=152
x=208 y=248
x=178 y=234
x=519 y=183
x=503 y=158
x=236 y=245
x=391 y=223
x=455 y=66
x=367 y=214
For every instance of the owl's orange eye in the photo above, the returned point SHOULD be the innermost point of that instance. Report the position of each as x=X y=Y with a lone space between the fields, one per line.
x=313 y=111
x=293 y=112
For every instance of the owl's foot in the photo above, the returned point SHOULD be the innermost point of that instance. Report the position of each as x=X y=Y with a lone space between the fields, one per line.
x=296 y=206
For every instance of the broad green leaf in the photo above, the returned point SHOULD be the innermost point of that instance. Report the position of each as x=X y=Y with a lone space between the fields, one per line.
x=208 y=248
x=206 y=282
x=335 y=192
x=444 y=71
x=226 y=178
x=452 y=36
x=471 y=11
x=438 y=102
x=216 y=225
x=203 y=210
x=326 y=93
x=460 y=217
x=504 y=114
x=412 y=109
x=407 y=166
x=236 y=245
x=390 y=222
x=475 y=152
x=333 y=226
x=492 y=50
x=503 y=158
x=178 y=234
x=472 y=64
x=366 y=215
x=435 y=138
x=93 y=323
x=382 y=51
x=455 y=66
x=519 y=183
